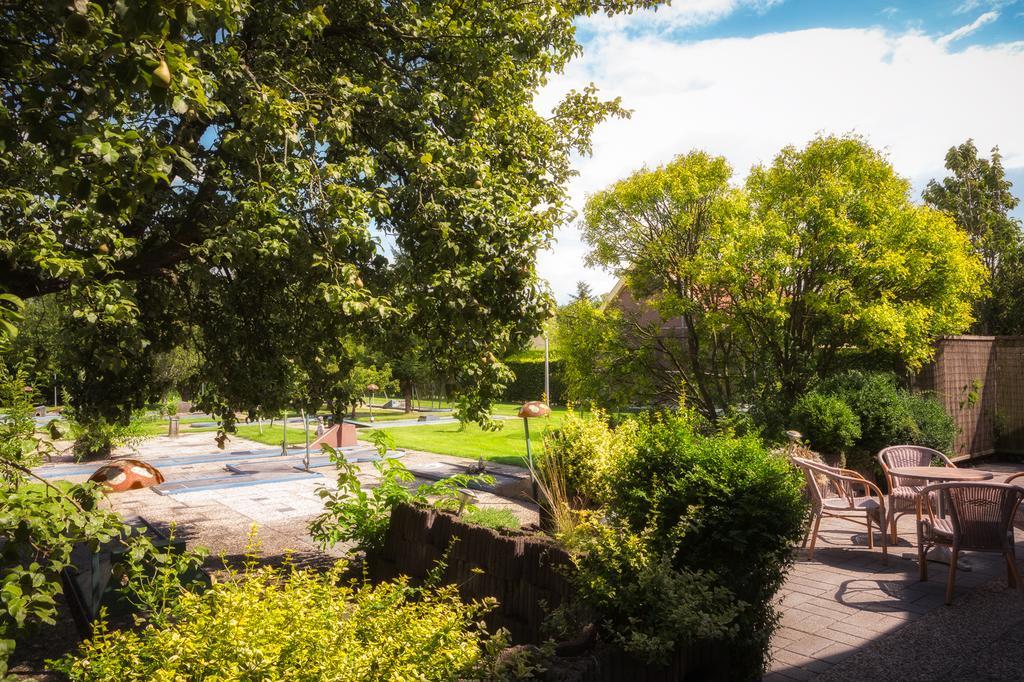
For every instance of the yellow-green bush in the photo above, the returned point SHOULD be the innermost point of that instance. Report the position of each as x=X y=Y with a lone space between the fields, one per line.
x=585 y=448
x=296 y=625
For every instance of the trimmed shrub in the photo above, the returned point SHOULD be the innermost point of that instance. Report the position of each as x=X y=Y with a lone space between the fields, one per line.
x=529 y=380
x=296 y=624
x=720 y=504
x=828 y=422
x=887 y=414
x=936 y=429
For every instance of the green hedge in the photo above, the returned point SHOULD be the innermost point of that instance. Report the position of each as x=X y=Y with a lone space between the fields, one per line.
x=719 y=504
x=529 y=381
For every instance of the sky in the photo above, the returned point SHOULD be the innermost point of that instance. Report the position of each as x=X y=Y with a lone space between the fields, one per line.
x=744 y=78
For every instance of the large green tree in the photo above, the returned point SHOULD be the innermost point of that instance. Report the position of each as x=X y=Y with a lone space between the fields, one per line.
x=602 y=366
x=979 y=198
x=228 y=170
x=662 y=229
x=819 y=259
x=837 y=260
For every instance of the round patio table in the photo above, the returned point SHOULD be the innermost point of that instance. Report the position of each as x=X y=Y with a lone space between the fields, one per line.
x=943 y=475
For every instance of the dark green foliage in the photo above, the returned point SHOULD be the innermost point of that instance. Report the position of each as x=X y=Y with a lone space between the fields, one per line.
x=644 y=605
x=829 y=423
x=274 y=182
x=935 y=428
x=980 y=199
x=890 y=414
x=721 y=504
x=529 y=381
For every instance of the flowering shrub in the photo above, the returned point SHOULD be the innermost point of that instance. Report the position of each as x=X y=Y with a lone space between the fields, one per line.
x=269 y=624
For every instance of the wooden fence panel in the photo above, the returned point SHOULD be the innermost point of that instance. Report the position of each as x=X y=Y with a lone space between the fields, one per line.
x=980 y=382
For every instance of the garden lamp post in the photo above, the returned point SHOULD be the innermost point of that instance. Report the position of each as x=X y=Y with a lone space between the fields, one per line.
x=529 y=410
x=284 y=434
x=305 y=426
x=372 y=388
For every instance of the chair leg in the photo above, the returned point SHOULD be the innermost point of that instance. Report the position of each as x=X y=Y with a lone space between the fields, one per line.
x=871 y=533
x=954 y=556
x=814 y=537
x=1012 y=575
x=892 y=525
x=885 y=541
x=922 y=560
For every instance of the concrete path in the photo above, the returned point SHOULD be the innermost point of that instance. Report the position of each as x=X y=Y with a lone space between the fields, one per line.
x=221 y=520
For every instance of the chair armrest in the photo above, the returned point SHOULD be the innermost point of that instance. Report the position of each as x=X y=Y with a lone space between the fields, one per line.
x=855 y=478
x=1015 y=476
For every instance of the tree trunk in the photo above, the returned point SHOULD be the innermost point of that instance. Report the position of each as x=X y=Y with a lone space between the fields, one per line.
x=407 y=387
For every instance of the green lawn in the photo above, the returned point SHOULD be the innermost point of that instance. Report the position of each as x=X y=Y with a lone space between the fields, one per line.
x=506 y=446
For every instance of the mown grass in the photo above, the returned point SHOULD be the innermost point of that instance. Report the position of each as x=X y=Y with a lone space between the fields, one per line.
x=506 y=445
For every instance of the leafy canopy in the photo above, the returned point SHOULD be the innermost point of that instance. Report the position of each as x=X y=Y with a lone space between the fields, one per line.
x=979 y=198
x=819 y=258
x=230 y=171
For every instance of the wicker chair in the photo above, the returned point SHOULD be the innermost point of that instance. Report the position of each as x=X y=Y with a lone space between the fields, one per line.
x=833 y=493
x=980 y=519
x=903 y=491
x=1019 y=519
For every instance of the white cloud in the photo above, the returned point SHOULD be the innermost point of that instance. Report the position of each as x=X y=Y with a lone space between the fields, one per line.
x=967 y=6
x=745 y=98
x=681 y=14
x=964 y=31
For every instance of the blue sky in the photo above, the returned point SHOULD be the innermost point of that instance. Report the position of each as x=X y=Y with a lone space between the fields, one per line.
x=938 y=18
x=743 y=78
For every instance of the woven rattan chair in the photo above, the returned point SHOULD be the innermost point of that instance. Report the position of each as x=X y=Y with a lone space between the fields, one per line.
x=903 y=491
x=834 y=492
x=980 y=519
x=1019 y=519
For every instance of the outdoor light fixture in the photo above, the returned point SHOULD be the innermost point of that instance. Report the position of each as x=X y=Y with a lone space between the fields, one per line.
x=529 y=410
x=465 y=496
x=372 y=388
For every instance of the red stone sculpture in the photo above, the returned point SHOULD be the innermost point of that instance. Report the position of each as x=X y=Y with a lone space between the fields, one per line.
x=127 y=474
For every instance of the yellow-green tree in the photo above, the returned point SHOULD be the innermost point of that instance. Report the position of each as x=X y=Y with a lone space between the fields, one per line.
x=836 y=259
x=819 y=258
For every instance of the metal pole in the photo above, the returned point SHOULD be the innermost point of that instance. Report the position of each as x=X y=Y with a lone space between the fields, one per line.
x=305 y=425
x=529 y=458
x=284 y=434
x=547 y=373
x=55 y=390
x=371 y=406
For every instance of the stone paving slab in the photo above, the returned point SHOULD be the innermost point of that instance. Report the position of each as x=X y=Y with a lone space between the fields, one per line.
x=221 y=520
x=847 y=615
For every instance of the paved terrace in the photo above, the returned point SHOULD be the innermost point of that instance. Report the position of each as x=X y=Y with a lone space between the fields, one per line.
x=848 y=616
x=222 y=519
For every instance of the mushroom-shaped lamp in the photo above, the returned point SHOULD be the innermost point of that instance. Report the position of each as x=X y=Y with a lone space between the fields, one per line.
x=534 y=408
x=127 y=474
